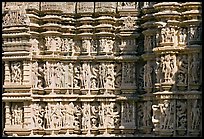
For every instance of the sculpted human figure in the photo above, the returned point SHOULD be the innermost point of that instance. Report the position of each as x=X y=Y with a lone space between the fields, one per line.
x=183 y=69
x=183 y=35
x=102 y=43
x=166 y=110
x=110 y=76
x=35 y=43
x=58 y=43
x=40 y=76
x=102 y=74
x=69 y=75
x=70 y=114
x=76 y=75
x=163 y=35
x=147 y=114
x=48 y=116
x=78 y=113
x=181 y=114
x=157 y=70
x=166 y=69
x=85 y=75
x=109 y=46
x=95 y=116
x=148 y=75
x=85 y=116
x=195 y=68
x=16 y=72
x=195 y=115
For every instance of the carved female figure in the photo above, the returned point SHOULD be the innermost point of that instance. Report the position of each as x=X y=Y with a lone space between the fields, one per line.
x=195 y=68
x=69 y=75
x=195 y=115
x=102 y=74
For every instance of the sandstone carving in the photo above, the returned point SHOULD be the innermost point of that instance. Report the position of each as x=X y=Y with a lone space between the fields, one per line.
x=79 y=69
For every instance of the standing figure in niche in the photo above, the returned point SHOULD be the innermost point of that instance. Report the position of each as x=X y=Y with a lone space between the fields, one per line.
x=166 y=111
x=70 y=75
x=195 y=68
x=16 y=72
x=148 y=75
x=35 y=74
x=40 y=77
x=163 y=35
x=183 y=35
x=195 y=115
x=166 y=69
x=157 y=70
x=102 y=75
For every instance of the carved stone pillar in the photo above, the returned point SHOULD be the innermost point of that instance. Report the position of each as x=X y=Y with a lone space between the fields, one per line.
x=26 y=73
x=7 y=115
x=7 y=79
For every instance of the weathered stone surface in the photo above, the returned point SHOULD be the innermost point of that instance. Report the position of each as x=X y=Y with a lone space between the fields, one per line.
x=101 y=69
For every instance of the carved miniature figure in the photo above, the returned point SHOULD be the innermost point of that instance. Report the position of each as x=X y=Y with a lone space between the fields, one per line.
x=16 y=74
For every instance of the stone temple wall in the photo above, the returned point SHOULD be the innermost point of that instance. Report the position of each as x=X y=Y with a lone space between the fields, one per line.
x=102 y=69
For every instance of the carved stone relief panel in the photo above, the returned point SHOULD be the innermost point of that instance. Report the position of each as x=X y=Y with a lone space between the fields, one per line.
x=181 y=114
x=166 y=119
x=149 y=43
x=140 y=80
x=85 y=7
x=106 y=45
x=194 y=68
x=34 y=45
x=51 y=6
x=169 y=35
x=16 y=71
x=148 y=77
x=17 y=114
x=169 y=67
x=128 y=23
x=128 y=114
x=85 y=75
x=140 y=115
x=56 y=115
x=183 y=34
x=118 y=75
x=128 y=74
x=16 y=14
x=94 y=81
x=147 y=111
x=106 y=75
x=194 y=33
x=194 y=114
x=182 y=73
x=86 y=116
x=105 y=6
x=76 y=83
x=95 y=115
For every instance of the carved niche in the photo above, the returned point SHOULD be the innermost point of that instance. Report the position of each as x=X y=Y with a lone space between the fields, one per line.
x=16 y=71
x=17 y=114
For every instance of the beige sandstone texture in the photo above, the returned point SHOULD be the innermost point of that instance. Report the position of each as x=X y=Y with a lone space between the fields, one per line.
x=124 y=69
